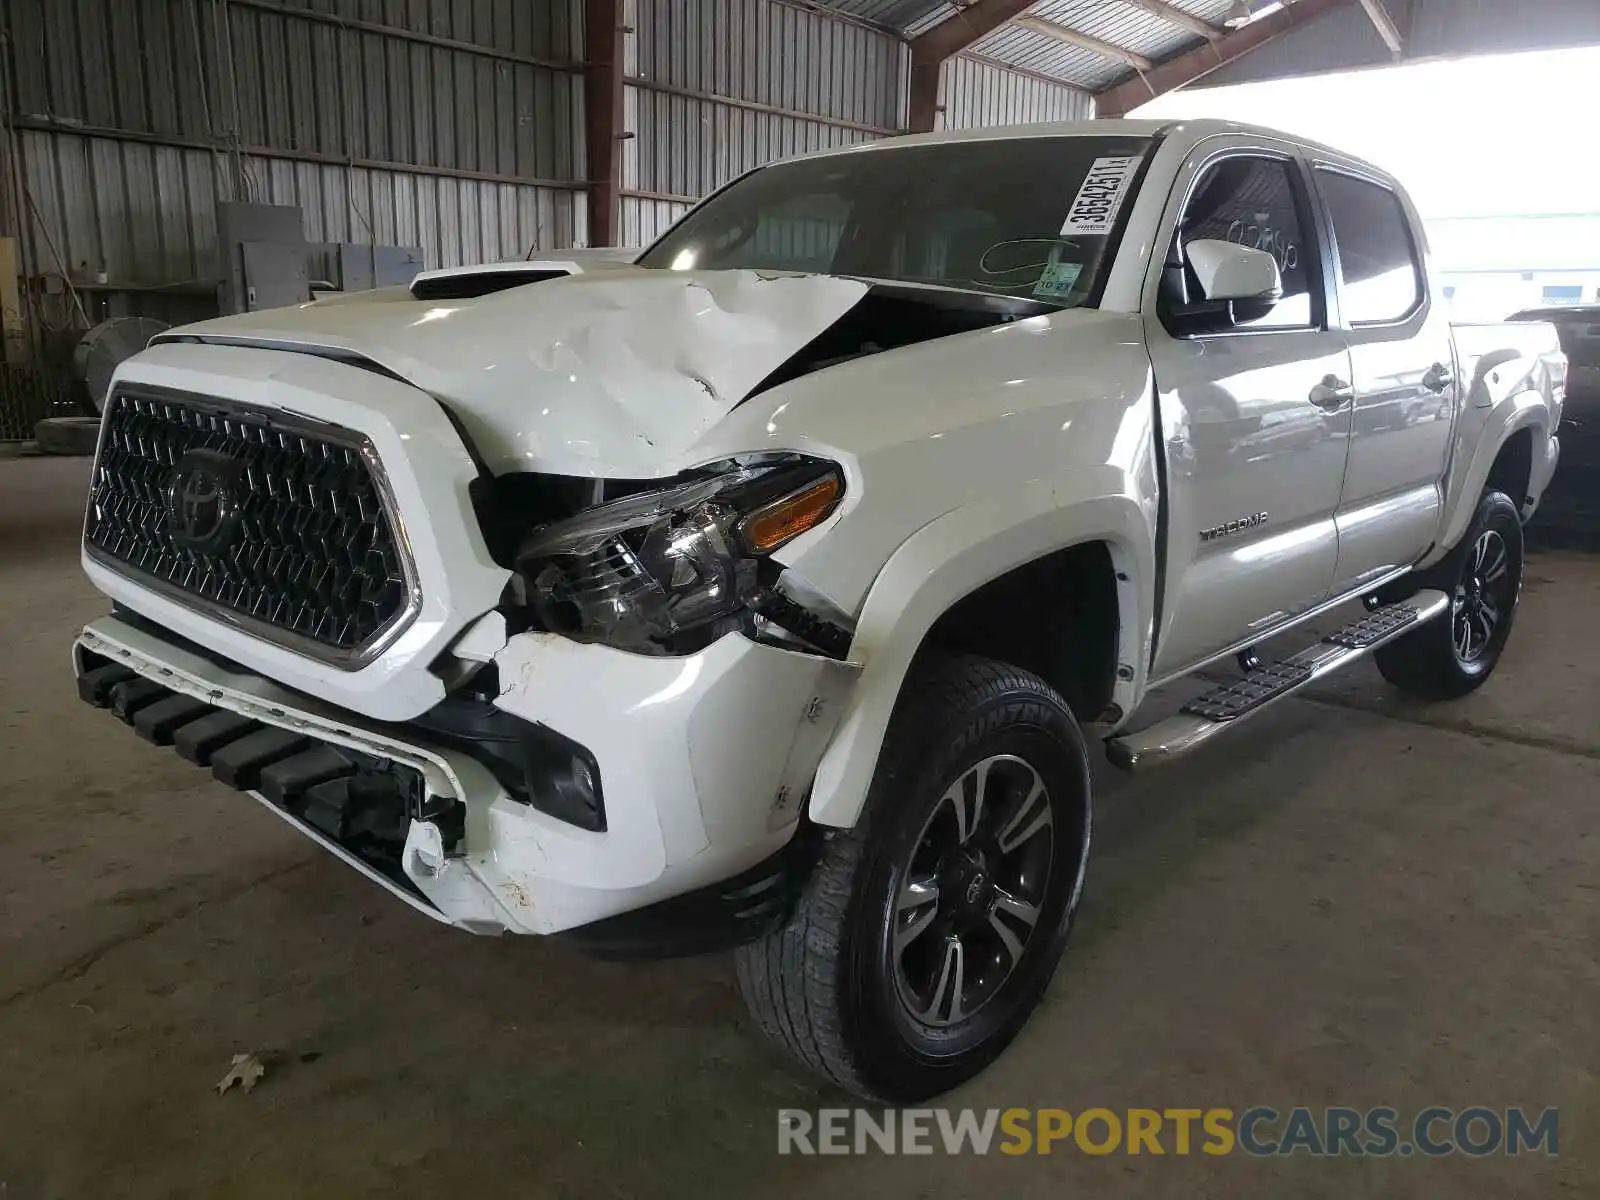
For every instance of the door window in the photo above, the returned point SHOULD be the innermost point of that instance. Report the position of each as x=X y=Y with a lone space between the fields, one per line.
x=1377 y=261
x=1254 y=201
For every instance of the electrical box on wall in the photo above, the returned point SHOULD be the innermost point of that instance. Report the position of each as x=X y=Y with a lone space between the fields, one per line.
x=364 y=267
x=273 y=279
x=249 y=238
x=266 y=262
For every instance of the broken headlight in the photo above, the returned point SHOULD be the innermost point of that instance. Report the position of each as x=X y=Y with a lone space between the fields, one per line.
x=670 y=570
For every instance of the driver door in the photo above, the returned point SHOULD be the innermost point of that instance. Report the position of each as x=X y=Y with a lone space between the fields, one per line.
x=1254 y=415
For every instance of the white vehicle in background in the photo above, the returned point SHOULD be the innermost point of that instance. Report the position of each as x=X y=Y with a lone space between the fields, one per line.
x=768 y=593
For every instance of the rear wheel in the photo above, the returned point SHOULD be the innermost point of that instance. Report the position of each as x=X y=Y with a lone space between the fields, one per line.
x=927 y=934
x=1449 y=657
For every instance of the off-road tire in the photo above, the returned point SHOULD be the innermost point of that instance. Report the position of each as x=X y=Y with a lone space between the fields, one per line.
x=1428 y=662
x=824 y=986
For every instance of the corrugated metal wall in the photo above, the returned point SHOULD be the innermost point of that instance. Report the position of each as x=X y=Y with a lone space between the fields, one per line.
x=720 y=86
x=455 y=125
x=973 y=92
x=1345 y=38
x=450 y=124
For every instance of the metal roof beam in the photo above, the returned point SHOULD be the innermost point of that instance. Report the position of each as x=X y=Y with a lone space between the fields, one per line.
x=966 y=25
x=1083 y=41
x=1178 y=72
x=1174 y=15
x=955 y=33
x=1386 y=27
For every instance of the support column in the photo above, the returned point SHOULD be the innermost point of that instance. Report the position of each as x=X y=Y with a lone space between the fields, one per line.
x=602 y=117
x=923 y=109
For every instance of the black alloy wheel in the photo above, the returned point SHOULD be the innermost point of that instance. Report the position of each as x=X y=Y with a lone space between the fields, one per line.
x=1484 y=595
x=970 y=894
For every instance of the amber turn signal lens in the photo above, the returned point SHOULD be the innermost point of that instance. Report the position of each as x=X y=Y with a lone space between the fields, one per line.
x=771 y=525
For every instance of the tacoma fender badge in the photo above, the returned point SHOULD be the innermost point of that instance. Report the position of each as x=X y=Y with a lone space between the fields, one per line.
x=1233 y=527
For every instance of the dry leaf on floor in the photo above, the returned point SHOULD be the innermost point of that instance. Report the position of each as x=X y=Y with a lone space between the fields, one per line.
x=245 y=1071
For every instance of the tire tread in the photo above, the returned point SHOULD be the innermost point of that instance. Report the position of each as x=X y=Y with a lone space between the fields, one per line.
x=791 y=979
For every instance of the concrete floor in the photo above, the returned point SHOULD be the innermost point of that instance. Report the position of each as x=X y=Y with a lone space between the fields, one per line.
x=1358 y=901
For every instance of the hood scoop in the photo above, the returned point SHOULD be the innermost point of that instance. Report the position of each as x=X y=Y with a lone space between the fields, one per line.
x=484 y=279
x=468 y=285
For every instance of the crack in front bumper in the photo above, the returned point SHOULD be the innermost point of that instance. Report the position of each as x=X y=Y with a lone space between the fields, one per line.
x=706 y=762
x=453 y=890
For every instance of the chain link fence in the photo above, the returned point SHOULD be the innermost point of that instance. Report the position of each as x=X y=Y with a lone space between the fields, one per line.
x=27 y=396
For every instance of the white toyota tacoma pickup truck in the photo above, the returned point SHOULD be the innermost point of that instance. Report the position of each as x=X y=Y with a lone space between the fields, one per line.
x=768 y=592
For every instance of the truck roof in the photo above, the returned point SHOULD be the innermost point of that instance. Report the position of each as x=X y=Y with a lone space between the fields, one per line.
x=1192 y=130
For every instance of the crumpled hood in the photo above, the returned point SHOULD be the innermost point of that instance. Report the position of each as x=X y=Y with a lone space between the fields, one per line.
x=612 y=374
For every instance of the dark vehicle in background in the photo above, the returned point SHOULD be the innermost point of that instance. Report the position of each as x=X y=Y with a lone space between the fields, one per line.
x=1570 y=511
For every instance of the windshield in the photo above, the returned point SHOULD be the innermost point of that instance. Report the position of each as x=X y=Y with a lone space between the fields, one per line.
x=1026 y=217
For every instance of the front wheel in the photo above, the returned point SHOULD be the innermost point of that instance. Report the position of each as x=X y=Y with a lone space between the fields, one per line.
x=1449 y=657
x=927 y=933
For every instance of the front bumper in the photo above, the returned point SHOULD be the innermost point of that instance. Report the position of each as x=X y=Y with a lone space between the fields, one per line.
x=704 y=763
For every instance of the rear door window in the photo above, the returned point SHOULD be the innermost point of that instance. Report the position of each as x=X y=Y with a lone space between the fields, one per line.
x=1380 y=281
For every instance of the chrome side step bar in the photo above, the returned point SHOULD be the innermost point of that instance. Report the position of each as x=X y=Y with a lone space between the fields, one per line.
x=1221 y=709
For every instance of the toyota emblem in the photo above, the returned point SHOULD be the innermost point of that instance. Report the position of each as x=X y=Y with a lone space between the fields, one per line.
x=203 y=500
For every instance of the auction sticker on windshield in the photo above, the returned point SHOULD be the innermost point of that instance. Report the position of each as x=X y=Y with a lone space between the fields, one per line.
x=1093 y=212
x=1058 y=280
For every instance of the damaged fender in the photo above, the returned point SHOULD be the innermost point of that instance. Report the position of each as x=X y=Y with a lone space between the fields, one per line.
x=704 y=761
x=952 y=557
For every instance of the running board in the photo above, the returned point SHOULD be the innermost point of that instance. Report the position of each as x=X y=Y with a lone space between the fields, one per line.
x=1219 y=710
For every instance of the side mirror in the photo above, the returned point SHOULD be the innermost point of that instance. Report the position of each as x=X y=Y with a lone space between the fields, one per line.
x=1230 y=272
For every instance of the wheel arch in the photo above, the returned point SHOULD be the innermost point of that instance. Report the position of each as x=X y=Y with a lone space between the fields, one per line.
x=1508 y=448
x=1512 y=469
x=1016 y=618
x=1049 y=527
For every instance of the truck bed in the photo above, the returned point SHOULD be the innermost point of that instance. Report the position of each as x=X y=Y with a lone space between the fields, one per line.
x=1487 y=348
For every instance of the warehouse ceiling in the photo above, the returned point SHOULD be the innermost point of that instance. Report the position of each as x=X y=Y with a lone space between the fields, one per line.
x=1036 y=41
x=1088 y=44
x=1129 y=50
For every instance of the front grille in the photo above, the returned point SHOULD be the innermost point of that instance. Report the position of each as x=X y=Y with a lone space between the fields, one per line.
x=276 y=524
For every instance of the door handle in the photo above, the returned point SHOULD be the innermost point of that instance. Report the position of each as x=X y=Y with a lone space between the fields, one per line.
x=1331 y=393
x=1438 y=378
